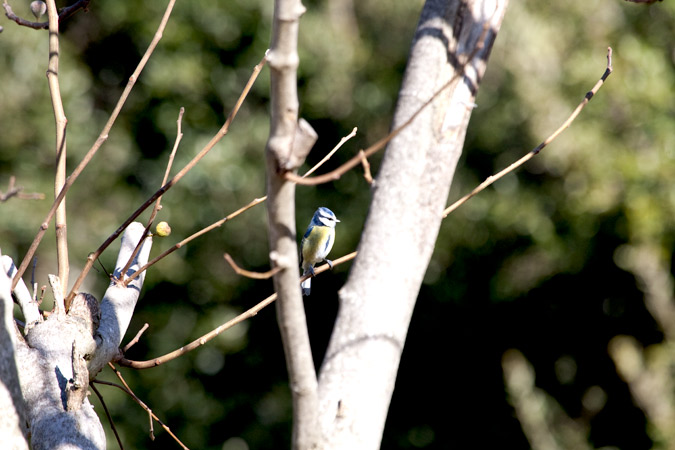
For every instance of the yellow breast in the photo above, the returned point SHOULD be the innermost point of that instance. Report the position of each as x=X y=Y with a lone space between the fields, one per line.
x=314 y=248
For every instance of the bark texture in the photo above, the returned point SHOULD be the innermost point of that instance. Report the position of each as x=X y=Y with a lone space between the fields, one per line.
x=452 y=42
x=47 y=368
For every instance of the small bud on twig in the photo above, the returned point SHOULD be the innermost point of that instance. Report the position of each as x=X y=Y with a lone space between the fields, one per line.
x=38 y=8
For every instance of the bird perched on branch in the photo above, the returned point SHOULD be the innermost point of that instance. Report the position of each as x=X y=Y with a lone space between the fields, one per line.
x=317 y=243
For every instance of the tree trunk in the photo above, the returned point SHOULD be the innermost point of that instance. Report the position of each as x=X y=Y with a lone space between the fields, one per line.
x=47 y=368
x=451 y=46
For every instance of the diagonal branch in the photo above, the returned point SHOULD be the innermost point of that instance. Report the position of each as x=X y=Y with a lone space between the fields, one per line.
x=214 y=140
x=491 y=179
x=158 y=203
x=249 y=313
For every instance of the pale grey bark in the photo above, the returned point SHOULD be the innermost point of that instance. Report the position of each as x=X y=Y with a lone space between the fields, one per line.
x=12 y=407
x=358 y=374
x=55 y=359
x=288 y=144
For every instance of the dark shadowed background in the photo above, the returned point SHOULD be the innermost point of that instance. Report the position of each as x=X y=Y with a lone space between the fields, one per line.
x=534 y=263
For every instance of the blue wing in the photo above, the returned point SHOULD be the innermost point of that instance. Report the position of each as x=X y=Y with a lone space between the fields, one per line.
x=309 y=230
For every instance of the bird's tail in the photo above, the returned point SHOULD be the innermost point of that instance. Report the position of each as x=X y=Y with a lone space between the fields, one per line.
x=307 y=284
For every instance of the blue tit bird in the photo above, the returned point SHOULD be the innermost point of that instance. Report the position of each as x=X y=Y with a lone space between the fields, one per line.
x=317 y=243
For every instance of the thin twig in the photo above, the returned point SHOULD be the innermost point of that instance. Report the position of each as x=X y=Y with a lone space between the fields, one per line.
x=356 y=159
x=92 y=151
x=128 y=390
x=64 y=13
x=158 y=203
x=214 y=140
x=249 y=274
x=60 y=227
x=136 y=338
x=15 y=191
x=194 y=236
x=151 y=425
x=328 y=156
x=220 y=222
x=227 y=325
x=107 y=413
x=253 y=311
x=33 y=283
x=491 y=179
x=366 y=167
x=198 y=342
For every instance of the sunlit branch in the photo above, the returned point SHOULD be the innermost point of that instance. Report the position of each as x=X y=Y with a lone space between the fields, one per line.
x=491 y=179
x=248 y=273
x=377 y=146
x=227 y=325
x=92 y=151
x=366 y=167
x=211 y=227
x=331 y=153
x=136 y=338
x=61 y=229
x=214 y=140
x=158 y=203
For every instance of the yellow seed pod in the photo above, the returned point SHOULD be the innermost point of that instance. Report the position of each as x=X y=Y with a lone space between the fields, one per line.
x=163 y=229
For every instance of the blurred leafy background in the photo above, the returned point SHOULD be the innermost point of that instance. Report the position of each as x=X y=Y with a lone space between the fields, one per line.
x=536 y=263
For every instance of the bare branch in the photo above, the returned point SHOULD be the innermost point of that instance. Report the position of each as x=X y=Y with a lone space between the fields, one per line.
x=366 y=167
x=107 y=414
x=282 y=154
x=200 y=341
x=14 y=410
x=57 y=291
x=15 y=191
x=61 y=122
x=201 y=232
x=64 y=13
x=331 y=153
x=491 y=179
x=214 y=140
x=248 y=273
x=129 y=392
x=118 y=303
x=92 y=151
x=158 y=203
x=227 y=325
x=136 y=338
x=447 y=60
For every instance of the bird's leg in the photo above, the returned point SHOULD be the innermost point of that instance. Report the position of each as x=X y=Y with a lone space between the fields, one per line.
x=311 y=271
x=330 y=263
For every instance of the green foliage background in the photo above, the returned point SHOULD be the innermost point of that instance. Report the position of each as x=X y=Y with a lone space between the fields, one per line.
x=530 y=263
